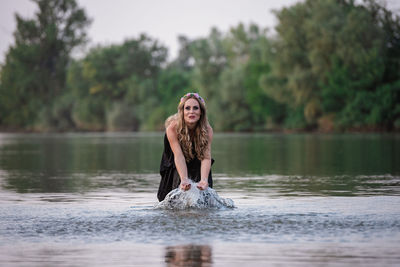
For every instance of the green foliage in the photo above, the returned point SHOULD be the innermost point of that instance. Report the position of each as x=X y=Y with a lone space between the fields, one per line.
x=332 y=57
x=173 y=83
x=58 y=115
x=374 y=109
x=116 y=86
x=295 y=119
x=33 y=76
x=265 y=111
x=227 y=69
x=336 y=90
x=332 y=65
x=121 y=117
x=89 y=114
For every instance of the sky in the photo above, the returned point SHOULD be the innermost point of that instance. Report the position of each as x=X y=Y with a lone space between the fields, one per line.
x=117 y=20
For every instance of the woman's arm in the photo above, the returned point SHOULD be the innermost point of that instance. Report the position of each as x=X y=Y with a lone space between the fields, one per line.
x=206 y=163
x=179 y=158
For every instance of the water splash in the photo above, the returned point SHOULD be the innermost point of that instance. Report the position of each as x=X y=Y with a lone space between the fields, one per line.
x=194 y=198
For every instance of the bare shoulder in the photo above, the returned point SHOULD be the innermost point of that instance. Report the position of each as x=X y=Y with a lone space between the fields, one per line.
x=171 y=131
x=209 y=129
x=172 y=136
x=210 y=132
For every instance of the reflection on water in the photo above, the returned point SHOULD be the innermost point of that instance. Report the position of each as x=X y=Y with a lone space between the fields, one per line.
x=84 y=185
x=60 y=155
x=188 y=255
x=87 y=200
x=307 y=154
x=324 y=164
x=343 y=185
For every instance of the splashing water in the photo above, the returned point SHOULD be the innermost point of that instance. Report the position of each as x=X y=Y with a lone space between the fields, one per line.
x=194 y=198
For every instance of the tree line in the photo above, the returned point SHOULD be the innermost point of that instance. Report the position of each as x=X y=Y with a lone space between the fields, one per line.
x=330 y=65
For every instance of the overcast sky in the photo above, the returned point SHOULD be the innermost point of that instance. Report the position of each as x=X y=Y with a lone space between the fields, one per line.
x=117 y=20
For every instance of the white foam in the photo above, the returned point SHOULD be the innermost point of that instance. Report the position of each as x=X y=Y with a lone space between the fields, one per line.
x=194 y=198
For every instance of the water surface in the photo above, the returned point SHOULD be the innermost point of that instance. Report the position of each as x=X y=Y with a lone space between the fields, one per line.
x=305 y=199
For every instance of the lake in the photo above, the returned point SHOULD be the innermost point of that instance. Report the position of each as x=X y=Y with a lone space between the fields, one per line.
x=86 y=199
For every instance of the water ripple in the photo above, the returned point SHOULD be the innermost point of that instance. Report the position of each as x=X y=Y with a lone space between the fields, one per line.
x=293 y=222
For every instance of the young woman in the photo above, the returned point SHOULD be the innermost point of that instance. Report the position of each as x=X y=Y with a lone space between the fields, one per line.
x=187 y=147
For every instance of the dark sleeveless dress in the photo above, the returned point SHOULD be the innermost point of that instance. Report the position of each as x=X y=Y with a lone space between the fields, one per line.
x=169 y=175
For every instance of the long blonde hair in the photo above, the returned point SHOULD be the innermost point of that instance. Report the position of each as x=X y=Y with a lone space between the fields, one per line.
x=200 y=134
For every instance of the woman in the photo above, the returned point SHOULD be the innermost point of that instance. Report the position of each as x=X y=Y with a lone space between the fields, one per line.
x=187 y=147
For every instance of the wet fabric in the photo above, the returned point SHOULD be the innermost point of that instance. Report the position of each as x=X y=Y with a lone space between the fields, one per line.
x=169 y=175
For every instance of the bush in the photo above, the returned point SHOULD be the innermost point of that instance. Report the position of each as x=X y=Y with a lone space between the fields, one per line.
x=121 y=117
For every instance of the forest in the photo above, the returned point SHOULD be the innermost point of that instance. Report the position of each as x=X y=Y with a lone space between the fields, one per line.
x=329 y=66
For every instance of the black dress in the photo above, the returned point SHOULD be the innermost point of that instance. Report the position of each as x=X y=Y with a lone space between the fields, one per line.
x=169 y=175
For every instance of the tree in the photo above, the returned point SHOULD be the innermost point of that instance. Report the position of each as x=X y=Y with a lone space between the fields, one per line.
x=331 y=57
x=227 y=69
x=34 y=73
x=115 y=86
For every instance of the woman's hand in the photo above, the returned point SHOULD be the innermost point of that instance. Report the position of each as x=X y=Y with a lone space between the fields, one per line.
x=202 y=185
x=185 y=184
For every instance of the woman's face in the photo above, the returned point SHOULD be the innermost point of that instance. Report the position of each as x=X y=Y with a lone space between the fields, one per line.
x=191 y=112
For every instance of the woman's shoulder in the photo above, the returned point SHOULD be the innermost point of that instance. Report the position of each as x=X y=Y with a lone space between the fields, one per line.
x=171 y=129
x=210 y=131
x=171 y=119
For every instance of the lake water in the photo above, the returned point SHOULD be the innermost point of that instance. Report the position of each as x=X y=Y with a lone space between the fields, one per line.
x=302 y=200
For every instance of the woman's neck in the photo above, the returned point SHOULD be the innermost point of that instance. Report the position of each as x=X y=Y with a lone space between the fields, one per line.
x=191 y=132
x=191 y=127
